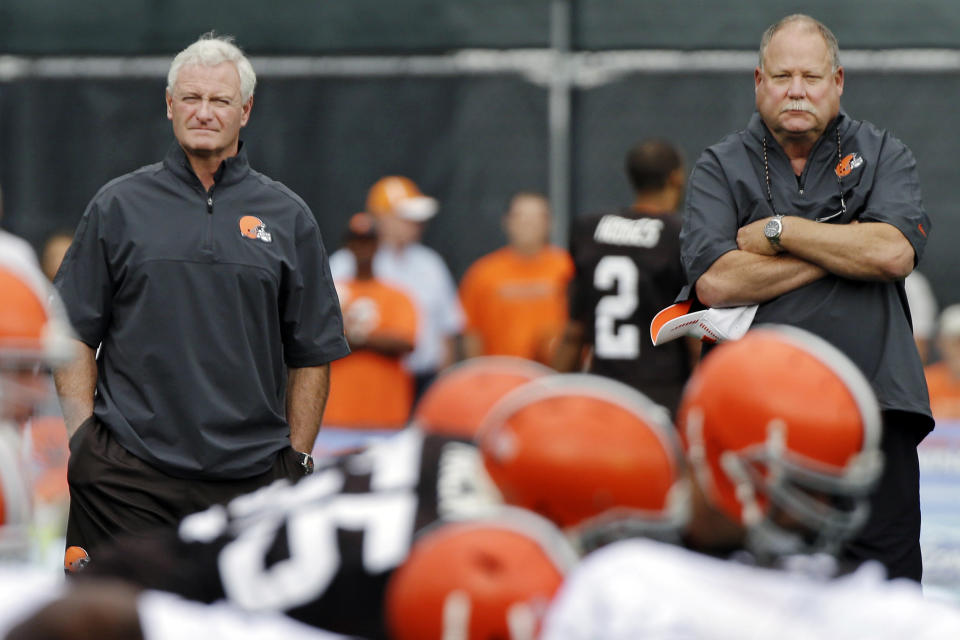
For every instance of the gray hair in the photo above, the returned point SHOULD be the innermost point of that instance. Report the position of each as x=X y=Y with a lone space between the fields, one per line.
x=209 y=51
x=833 y=48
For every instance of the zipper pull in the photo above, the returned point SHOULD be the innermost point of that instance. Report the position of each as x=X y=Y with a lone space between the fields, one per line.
x=209 y=204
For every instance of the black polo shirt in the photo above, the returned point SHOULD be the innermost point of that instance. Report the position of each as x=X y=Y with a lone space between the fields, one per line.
x=201 y=300
x=868 y=321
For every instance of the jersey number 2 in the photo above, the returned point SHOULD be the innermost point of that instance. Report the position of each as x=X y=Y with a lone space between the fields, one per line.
x=611 y=341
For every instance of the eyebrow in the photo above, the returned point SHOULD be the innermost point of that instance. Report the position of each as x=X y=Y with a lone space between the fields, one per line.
x=213 y=96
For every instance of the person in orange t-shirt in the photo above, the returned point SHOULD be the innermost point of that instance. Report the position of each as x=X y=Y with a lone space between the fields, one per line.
x=515 y=297
x=943 y=378
x=370 y=388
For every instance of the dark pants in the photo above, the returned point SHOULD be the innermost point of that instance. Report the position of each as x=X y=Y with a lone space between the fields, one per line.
x=892 y=532
x=113 y=493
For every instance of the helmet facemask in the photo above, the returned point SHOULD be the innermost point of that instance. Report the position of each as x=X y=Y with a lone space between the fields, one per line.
x=796 y=505
x=794 y=464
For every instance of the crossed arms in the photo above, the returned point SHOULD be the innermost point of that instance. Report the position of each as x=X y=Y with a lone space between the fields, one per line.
x=756 y=272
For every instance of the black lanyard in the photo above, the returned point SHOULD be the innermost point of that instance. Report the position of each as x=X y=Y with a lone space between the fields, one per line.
x=766 y=175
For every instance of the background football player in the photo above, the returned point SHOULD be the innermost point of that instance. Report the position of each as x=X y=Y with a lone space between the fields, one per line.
x=324 y=549
x=782 y=434
x=594 y=456
x=482 y=579
x=627 y=269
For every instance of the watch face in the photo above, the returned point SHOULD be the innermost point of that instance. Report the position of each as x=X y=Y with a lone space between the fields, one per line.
x=772 y=229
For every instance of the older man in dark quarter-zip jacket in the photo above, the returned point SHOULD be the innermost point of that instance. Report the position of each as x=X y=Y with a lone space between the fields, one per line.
x=817 y=218
x=202 y=298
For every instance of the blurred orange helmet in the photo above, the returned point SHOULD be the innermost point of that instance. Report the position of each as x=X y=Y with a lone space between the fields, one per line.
x=399 y=196
x=781 y=423
x=23 y=317
x=589 y=453
x=480 y=580
x=456 y=402
x=33 y=331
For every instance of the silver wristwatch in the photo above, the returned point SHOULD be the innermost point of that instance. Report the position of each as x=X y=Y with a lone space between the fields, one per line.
x=773 y=229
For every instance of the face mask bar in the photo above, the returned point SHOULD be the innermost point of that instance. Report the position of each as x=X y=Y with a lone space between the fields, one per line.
x=621 y=523
x=803 y=492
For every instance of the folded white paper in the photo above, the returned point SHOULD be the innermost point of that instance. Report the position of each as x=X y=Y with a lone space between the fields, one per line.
x=709 y=325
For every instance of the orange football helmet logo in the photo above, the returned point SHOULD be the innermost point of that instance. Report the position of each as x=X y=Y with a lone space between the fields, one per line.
x=457 y=401
x=478 y=580
x=782 y=423
x=75 y=559
x=253 y=227
x=846 y=165
x=589 y=453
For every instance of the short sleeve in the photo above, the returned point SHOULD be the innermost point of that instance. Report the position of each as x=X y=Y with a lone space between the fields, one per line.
x=895 y=197
x=709 y=227
x=311 y=322
x=85 y=281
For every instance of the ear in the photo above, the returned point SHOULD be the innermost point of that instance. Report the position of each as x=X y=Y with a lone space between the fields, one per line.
x=169 y=101
x=245 y=112
x=838 y=79
x=757 y=78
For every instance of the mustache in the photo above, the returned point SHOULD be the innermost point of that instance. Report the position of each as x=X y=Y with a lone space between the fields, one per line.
x=799 y=105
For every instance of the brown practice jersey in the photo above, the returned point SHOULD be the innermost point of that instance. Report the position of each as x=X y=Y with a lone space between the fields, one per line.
x=320 y=550
x=627 y=269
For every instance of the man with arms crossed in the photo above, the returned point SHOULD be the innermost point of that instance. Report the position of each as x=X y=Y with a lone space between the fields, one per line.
x=818 y=218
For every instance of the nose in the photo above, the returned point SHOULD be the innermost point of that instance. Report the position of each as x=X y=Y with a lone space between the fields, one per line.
x=796 y=88
x=204 y=112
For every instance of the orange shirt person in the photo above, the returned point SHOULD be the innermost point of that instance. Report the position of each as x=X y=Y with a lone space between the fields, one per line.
x=515 y=297
x=943 y=378
x=380 y=323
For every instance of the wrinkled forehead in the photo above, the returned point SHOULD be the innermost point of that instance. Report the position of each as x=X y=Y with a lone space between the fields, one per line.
x=797 y=43
x=198 y=77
